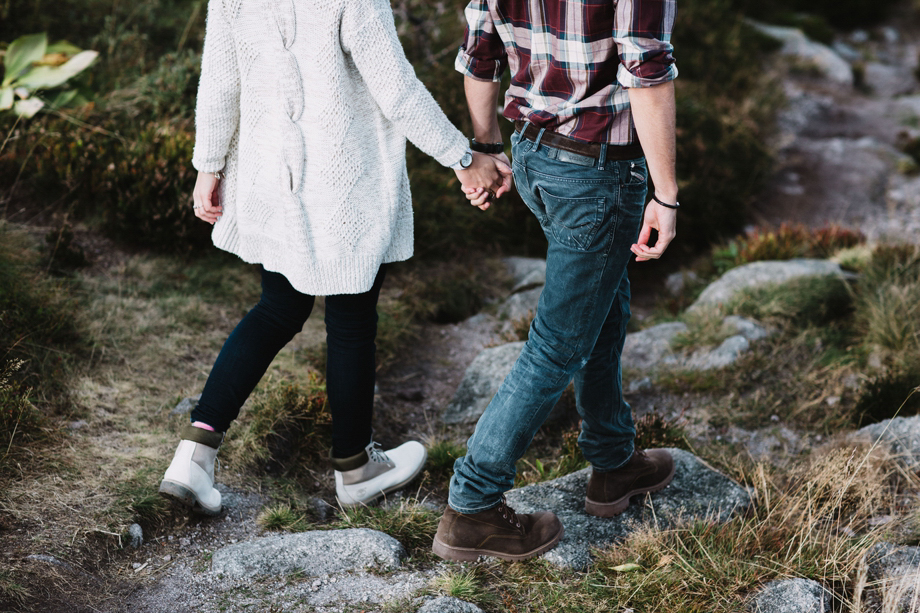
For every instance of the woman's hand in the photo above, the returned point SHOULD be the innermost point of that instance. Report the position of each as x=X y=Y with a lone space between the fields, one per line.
x=488 y=177
x=205 y=196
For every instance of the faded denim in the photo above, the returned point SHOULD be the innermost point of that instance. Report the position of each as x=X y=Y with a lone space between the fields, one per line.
x=591 y=212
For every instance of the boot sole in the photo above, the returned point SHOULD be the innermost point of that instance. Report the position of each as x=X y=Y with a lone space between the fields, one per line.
x=383 y=493
x=612 y=509
x=464 y=554
x=184 y=496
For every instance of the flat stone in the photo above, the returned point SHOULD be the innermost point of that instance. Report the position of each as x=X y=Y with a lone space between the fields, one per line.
x=651 y=347
x=799 y=46
x=481 y=381
x=792 y=596
x=526 y=272
x=900 y=435
x=186 y=405
x=520 y=305
x=449 y=605
x=759 y=274
x=697 y=492
x=892 y=575
x=311 y=553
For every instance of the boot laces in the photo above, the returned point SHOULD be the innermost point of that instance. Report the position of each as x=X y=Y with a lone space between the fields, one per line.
x=376 y=454
x=508 y=514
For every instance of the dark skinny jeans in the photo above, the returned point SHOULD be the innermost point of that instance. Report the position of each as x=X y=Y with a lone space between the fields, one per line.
x=351 y=327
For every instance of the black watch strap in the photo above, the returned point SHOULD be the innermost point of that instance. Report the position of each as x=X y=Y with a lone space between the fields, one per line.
x=487 y=147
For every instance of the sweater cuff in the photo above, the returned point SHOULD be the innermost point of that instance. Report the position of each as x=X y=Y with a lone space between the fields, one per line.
x=210 y=166
x=451 y=157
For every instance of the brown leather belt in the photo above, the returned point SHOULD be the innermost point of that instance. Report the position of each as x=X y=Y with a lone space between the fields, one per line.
x=592 y=150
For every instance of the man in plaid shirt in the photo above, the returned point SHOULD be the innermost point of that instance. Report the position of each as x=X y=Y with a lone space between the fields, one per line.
x=592 y=99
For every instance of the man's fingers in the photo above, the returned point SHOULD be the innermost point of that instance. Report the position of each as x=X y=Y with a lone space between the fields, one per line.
x=644 y=234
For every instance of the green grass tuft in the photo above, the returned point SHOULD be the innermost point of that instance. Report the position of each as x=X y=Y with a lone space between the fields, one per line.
x=287 y=428
x=281 y=517
x=410 y=522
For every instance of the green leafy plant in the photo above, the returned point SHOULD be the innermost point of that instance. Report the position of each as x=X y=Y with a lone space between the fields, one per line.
x=31 y=65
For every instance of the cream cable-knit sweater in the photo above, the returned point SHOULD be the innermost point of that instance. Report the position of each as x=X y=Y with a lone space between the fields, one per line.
x=306 y=106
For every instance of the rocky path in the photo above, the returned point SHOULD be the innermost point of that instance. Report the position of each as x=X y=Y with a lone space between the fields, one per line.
x=838 y=140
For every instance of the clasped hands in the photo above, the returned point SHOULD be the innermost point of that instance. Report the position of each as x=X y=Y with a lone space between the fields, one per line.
x=486 y=179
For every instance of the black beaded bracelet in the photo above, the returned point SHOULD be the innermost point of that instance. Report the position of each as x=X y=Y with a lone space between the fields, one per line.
x=676 y=205
x=487 y=147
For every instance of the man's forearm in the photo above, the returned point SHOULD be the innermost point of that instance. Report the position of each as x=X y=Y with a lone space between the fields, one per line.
x=654 y=113
x=482 y=99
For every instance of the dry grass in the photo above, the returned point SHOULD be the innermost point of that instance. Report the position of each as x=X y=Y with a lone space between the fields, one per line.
x=811 y=521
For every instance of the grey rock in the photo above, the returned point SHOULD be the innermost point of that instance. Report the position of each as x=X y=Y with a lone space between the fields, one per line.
x=766 y=444
x=449 y=605
x=651 y=347
x=891 y=576
x=677 y=282
x=78 y=424
x=748 y=328
x=136 y=535
x=697 y=492
x=757 y=274
x=482 y=379
x=798 y=46
x=889 y=81
x=792 y=596
x=520 y=305
x=725 y=354
x=901 y=436
x=186 y=405
x=311 y=553
x=846 y=51
x=526 y=272
x=480 y=382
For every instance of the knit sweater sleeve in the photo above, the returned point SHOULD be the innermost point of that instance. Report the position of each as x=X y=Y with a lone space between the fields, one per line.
x=369 y=37
x=217 y=111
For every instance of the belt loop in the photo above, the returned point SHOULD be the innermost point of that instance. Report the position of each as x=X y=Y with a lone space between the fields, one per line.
x=603 y=157
x=536 y=143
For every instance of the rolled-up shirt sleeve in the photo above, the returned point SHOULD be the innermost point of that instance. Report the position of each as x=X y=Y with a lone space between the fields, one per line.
x=482 y=55
x=642 y=31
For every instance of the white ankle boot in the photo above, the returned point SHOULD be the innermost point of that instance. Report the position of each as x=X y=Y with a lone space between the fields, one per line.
x=190 y=477
x=372 y=473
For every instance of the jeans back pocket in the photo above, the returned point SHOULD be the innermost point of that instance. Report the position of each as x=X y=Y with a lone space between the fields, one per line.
x=573 y=221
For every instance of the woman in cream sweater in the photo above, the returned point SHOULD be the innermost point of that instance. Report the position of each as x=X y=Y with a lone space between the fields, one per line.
x=303 y=112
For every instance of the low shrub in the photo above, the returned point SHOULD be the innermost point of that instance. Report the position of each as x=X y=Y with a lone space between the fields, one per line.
x=39 y=333
x=282 y=517
x=803 y=302
x=287 y=428
x=895 y=393
x=441 y=457
x=888 y=304
x=653 y=431
x=787 y=242
x=409 y=522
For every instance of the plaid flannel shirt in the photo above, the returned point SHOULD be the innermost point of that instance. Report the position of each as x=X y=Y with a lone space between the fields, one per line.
x=571 y=61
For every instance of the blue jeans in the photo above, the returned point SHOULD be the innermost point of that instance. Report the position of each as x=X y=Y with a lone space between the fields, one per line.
x=591 y=212
x=351 y=329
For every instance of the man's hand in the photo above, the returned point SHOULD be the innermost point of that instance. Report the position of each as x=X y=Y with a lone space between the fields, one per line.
x=488 y=177
x=205 y=195
x=662 y=219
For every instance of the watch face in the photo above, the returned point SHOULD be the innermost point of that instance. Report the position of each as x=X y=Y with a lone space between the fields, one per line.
x=466 y=160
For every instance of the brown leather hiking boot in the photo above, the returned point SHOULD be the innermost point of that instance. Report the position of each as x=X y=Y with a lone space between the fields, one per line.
x=498 y=532
x=608 y=493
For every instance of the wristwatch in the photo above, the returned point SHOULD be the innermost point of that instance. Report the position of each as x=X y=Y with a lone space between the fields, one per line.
x=465 y=162
x=487 y=147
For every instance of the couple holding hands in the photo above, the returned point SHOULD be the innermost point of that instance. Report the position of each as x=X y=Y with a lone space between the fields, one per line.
x=303 y=110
